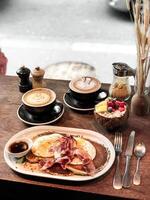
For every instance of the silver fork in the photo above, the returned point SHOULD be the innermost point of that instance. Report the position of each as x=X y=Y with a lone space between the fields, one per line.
x=117 y=180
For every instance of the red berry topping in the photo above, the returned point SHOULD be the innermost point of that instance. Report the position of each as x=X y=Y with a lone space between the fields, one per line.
x=121 y=109
x=122 y=104
x=110 y=109
x=110 y=104
x=114 y=105
x=113 y=110
x=118 y=102
x=117 y=105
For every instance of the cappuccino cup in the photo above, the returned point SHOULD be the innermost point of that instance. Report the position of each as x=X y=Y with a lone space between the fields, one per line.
x=87 y=89
x=39 y=100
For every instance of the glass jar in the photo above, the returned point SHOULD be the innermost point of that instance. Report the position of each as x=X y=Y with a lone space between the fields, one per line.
x=120 y=88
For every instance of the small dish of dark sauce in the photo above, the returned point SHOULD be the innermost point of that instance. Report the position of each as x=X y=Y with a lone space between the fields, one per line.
x=19 y=148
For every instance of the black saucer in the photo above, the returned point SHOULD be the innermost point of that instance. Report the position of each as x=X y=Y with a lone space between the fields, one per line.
x=44 y=119
x=75 y=104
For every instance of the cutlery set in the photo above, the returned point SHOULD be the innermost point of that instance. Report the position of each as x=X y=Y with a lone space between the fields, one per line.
x=139 y=151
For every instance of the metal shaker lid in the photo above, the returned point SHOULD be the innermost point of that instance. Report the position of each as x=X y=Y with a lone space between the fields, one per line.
x=122 y=69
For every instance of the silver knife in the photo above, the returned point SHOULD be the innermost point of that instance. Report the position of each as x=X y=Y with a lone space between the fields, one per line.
x=126 y=181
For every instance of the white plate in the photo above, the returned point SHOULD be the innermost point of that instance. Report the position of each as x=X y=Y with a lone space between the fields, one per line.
x=88 y=134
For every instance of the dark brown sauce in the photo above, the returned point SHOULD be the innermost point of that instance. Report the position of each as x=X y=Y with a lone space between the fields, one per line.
x=18 y=147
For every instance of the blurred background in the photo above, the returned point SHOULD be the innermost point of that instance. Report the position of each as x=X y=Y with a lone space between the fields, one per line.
x=44 y=32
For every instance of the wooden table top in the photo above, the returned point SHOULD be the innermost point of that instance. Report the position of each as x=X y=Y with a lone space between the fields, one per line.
x=10 y=99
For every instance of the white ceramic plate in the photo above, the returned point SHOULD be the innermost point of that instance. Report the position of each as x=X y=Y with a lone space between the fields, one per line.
x=88 y=134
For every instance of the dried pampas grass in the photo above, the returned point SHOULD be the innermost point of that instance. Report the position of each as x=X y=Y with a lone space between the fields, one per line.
x=140 y=10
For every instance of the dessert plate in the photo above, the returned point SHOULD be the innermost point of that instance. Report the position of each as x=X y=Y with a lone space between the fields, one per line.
x=92 y=136
x=28 y=118
x=75 y=104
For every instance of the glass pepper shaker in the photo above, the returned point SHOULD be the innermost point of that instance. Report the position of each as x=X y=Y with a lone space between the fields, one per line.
x=120 y=88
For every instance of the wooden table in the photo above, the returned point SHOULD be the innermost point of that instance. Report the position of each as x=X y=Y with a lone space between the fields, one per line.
x=13 y=184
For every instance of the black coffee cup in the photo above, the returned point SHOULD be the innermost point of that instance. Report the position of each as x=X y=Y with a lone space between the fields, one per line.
x=87 y=89
x=39 y=101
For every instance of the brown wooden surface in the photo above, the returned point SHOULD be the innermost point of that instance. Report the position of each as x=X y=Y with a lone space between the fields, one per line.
x=10 y=99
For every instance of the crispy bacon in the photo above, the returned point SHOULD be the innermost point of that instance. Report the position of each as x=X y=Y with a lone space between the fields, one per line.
x=82 y=155
x=46 y=163
x=63 y=161
x=88 y=164
x=64 y=152
x=64 y=147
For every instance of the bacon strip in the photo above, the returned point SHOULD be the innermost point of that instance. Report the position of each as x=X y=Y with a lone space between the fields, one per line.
x=64 y=147
x=46 y=163
x=63 y=161
x=88 y=164
x=64 y=153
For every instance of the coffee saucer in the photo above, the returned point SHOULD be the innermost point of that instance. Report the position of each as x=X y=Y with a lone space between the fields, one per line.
x=28 y=118
x=75 y=104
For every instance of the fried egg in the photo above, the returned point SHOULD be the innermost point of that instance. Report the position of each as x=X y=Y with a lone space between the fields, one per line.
x=43 y=143
x=86 y=146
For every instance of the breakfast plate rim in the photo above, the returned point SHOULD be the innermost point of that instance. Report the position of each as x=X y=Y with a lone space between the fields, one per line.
x=34 y=131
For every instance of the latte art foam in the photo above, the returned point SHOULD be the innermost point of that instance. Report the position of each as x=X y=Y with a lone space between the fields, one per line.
x=38 y=97
x=85 y=85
